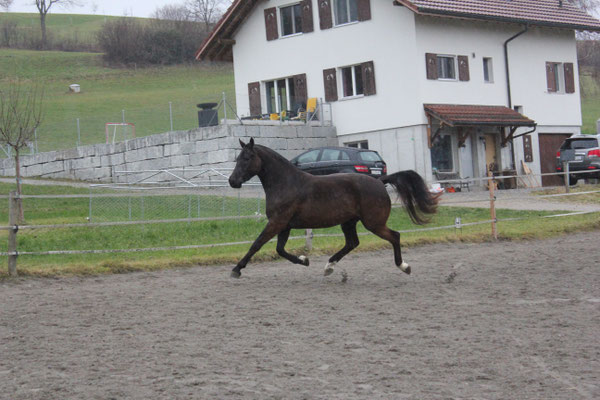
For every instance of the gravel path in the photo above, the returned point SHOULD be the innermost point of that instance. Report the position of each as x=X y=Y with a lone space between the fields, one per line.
x=474 y=321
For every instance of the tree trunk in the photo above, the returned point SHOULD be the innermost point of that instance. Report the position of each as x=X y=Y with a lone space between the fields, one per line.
x=43 y=27
x=21 y=213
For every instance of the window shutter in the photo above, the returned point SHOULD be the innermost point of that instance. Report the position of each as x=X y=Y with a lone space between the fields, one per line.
x=330 y=82
x=325 y=17
x=271 y=23
x=300 y=94
x=254 y=96
x=364 y=10
x=463 y=68
x=550 y=79
x=307 y=16
x=368 y=76
x=569 y=78
x=431 y=65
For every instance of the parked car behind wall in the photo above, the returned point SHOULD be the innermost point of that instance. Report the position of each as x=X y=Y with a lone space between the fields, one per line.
x=582 y=152
x=331 y=160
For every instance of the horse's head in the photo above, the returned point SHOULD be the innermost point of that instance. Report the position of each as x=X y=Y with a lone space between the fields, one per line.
x=247 y=165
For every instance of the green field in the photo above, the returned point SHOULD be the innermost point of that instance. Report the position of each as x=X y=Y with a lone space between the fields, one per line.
x=62 y=211
x=143 y=94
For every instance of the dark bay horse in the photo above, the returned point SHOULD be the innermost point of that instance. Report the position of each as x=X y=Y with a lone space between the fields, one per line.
x=298 y=200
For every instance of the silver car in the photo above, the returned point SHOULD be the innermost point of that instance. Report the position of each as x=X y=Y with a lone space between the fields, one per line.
x=582 y=152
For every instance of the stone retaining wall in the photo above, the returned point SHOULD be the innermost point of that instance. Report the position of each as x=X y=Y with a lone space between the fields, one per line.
x=213 y=147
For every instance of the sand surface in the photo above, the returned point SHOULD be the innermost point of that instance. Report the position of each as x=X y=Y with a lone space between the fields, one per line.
x=474 y=321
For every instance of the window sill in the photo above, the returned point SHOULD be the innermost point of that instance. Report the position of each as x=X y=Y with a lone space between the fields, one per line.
x=291 y=35
x=446 y=80
x=346 y=24
x=358 y=96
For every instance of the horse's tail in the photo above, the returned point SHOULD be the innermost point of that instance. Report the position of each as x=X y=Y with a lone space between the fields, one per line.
x=415 y=195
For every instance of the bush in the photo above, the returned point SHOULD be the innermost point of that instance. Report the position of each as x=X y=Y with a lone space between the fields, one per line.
x=127 y=41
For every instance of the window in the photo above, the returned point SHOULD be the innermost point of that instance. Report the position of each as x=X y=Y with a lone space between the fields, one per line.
x=345 y=11
x=291 y=20
x=446 y=66
x=441 y=154
x=352 y=82
x=560 y=77
x=369 y=156
x=286 y=94
x=363 y=144
x=488 y=71
x=330 y=155
x=309 y=157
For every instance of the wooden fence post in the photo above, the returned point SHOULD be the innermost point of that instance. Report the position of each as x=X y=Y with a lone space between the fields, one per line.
x=309 y=236
x=566 y=176
x=492 y=187
x=13 y=220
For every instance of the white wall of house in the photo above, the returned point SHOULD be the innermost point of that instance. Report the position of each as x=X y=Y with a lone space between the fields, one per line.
x=396 y=40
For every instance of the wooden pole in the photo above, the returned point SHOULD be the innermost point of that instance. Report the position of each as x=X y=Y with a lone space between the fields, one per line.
x=309 y=237
x=491 y=187
x=13 y=218
x=566 y=176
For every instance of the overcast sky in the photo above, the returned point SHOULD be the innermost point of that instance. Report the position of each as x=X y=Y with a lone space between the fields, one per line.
x=139 y=8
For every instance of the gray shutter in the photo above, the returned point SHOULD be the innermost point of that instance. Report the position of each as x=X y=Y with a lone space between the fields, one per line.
x=569 y=78
x=431 y=65
x=271 y=23
x=364 y=10
x=368 y=76
x=330 y=82
x=463 y=68
x=300 y=93
x=325 y=17
x=550 y=79
x=254 y=96
x=307 y=16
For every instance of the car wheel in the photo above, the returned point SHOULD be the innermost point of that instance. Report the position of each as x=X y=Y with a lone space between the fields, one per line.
x=573 y=180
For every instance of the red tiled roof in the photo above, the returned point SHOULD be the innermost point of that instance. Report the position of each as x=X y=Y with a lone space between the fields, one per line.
x=467 y=115
x=537 y=12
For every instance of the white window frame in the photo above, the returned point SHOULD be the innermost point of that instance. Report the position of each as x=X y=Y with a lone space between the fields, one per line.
x=488 y=66
x=288 y=81
x=335 y=16
x=341 y=82
x=281 y=34
x=455 y=64
x=559 y=77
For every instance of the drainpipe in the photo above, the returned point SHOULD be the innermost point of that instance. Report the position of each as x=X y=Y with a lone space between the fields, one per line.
x=525 y=29
x=510 y=105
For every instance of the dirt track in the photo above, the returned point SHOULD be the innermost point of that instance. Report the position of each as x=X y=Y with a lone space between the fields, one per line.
x=491 y=321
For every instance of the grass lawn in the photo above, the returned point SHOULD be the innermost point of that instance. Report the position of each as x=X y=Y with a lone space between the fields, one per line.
x=143 y=94
x=47 y=211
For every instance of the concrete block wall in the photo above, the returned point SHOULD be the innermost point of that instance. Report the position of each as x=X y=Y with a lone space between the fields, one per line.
x=211 y=147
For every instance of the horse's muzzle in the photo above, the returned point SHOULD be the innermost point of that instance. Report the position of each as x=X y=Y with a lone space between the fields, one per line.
x=234 y=183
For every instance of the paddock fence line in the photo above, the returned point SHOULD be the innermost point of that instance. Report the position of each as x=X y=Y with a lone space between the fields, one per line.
x=186 y=203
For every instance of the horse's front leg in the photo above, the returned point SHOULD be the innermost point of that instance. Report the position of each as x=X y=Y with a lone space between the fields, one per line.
x=267 y=234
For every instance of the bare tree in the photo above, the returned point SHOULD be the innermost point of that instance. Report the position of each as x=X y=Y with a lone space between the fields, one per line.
x=207 y=11
x=5 y=4
x=20 y=115
x=44 y=6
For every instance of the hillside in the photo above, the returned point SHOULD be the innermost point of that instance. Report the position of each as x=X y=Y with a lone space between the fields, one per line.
x=144 y=94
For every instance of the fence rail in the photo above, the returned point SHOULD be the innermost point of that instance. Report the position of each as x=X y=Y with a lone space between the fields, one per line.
x=252 y=213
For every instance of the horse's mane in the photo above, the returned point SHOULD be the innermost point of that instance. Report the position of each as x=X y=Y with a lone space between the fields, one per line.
x=272 y=154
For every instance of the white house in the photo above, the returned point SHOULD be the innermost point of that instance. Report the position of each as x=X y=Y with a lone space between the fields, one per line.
x=463 y=86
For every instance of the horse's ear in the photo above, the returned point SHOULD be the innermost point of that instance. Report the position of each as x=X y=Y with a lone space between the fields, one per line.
x=251 y=144
x=242 y=144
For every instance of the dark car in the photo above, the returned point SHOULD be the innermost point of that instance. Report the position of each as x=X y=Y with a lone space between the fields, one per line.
x=332 y=160
x=582 y=152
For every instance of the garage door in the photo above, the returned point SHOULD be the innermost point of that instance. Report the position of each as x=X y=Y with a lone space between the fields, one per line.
x=549 y=145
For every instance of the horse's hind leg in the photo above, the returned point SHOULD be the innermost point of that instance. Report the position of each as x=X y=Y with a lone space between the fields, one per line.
x=394 y=238
x=282 y=239
x=349 y=229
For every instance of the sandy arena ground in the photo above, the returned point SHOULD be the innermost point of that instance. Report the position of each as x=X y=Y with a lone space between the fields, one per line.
x=474 y=321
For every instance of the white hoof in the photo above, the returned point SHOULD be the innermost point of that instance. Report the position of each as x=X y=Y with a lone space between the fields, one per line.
x=303 y=259
x=404 y=267
x=329 y=269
